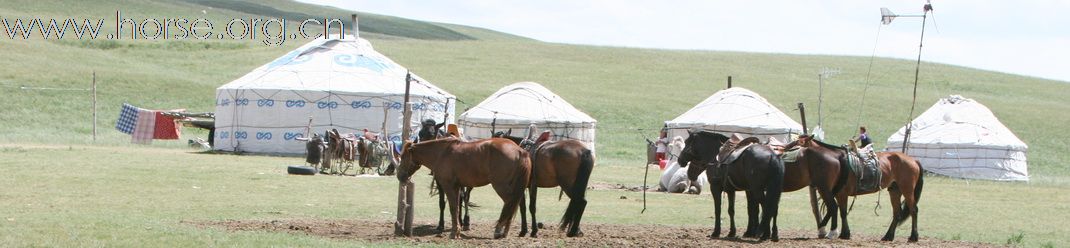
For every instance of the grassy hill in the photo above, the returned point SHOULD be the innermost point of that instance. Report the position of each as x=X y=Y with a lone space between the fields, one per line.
x=112 y=192
x=624 y=88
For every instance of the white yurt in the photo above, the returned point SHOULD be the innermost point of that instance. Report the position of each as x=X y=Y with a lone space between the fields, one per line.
x=736 y=110
x=959 y=137
x=520 y=104
x=340 y=84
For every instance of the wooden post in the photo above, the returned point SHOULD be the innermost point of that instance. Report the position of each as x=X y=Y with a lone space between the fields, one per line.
x=729 y=82
x=94 y=89
x=403 y=226
x=802 y=112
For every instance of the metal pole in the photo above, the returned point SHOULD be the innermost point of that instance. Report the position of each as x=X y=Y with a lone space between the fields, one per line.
x=729 y=82
x=94 y=89
x=820 y=96
x=802 y=112
x=917 y=70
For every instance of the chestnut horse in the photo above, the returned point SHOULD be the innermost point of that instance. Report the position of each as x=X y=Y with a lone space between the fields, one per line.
x=758 y=171
x=821 y=173
x=566 y=164
x=455 y=164
x=900 y=174
x=430 y=132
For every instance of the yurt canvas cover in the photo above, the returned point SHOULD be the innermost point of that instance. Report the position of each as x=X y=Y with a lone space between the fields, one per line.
x=959 y=137
x=517 y=105
x=341 y=84
x=736 y=110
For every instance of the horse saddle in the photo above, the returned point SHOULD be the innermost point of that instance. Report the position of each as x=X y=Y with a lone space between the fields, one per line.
x=790 y=155
x=865 y=167
x=731 y=150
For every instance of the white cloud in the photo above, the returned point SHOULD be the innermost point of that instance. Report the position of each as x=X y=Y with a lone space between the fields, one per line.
x=1017 y=37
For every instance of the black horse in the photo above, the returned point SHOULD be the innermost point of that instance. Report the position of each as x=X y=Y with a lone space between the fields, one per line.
x=758 y=171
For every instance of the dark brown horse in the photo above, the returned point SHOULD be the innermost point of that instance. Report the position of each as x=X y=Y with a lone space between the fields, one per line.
x=820 y=173
x=566 y=164
x=758 y=171
x=900 y=174
x=455 y=164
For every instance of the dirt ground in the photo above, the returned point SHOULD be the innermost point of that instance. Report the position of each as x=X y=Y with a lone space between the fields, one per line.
x=595 y=235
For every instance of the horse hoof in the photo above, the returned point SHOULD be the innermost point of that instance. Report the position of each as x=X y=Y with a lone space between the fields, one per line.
x=822 y=233
x=845 y=236
x=523 y=233
x=575 y=235
x=499 y=235
x=832 y=234
x=913 y=239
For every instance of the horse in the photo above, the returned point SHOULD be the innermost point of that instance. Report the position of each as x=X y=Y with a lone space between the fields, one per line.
x=455 y=164
x=566 y=164
x=431 y=132
x=758 y=171
x=901 y=174
x=819 y=169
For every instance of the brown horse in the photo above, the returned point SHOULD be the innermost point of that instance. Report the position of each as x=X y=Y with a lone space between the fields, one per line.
x=428 y=132
x=900 y=174
x=820 y=173
x=566 y=164
x=455 y=164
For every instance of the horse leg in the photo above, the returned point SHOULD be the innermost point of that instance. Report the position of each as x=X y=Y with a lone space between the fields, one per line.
x=731 y=214
x=717 y=213
x=533 y=189
x=466 y=194
x=845 y=231
x=912 y=198
x=441 y=208
x=895 y=195
x=752 y=214
x=453 y=197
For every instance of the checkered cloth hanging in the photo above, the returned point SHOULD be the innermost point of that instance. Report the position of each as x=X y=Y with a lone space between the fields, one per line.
x=144 y=128
x=127 y=119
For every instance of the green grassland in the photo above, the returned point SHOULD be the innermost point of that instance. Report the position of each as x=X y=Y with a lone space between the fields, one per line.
x=624 y=88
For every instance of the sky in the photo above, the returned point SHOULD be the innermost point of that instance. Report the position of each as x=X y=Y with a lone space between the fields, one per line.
x=1029 y=38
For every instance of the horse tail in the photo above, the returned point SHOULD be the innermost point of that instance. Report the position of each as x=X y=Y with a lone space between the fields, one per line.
x=520 y=183
x=841 y=178
x=774 y=189
x=578 y=192
x=921 y=182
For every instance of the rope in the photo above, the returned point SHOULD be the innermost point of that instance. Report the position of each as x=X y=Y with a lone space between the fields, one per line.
x=872 y=56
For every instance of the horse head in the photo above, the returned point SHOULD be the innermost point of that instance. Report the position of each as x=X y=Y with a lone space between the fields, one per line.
x=700 y=149
x=408 y=165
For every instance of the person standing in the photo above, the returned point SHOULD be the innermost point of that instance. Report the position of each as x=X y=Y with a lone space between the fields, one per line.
x=863 y=137
x=662 y=146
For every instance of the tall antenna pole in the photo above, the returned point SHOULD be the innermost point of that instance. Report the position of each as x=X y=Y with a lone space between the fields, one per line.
x=917 y=70
x=94 y=89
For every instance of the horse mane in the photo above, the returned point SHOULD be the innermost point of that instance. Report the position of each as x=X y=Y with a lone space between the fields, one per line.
x=829 y=146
